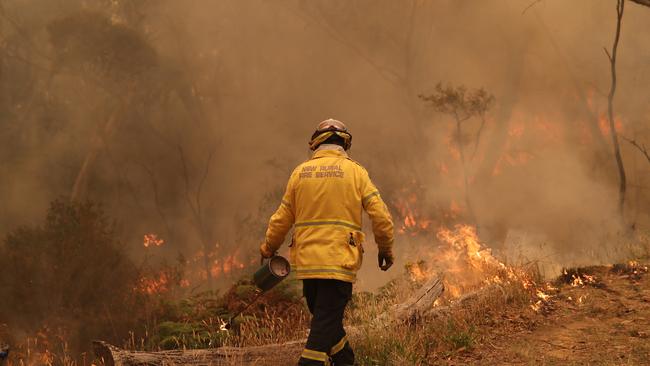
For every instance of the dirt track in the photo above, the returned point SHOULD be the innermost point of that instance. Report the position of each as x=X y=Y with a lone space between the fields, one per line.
x=603 y=323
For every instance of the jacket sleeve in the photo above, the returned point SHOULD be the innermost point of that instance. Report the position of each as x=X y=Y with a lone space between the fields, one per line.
x=382 y=222
x=283 y=218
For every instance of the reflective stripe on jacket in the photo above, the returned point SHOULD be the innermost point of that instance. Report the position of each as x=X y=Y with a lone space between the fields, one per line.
x=324 y=201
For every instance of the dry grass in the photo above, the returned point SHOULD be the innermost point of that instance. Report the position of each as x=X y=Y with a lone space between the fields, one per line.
x=496 y=325
x=455 y=327
x=32 y=351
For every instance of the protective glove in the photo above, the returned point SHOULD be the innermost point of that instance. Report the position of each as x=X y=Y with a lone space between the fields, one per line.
x=266 y=251
x=385 y=258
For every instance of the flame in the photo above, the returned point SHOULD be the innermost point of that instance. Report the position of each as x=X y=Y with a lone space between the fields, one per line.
x=542 y=296
x=582 y=298
x=464 y=238
x=219 y=264
x=582 y=280
x=512 y=157
x=603 y=124
x=412 y=221
x=226 y=265
x=157 y=284
x=637 y=268
x=469 y=265
x=417 y=273
x=36 y=348
x=537 y=307
x=151 y=240
x=577 y=281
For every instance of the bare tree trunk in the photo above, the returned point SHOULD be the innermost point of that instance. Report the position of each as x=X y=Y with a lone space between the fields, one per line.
x=463 y=162
x=477 y=139
x=620 y=5
x=194 y=200
x=81 y=182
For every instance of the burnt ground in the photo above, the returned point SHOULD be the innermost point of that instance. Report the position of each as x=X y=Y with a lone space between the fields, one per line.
x=602 y=322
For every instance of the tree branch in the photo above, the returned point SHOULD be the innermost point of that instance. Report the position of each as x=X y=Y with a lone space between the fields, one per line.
x=530 y=6
x=641 y=147
x=607 y=53
x=642 y=2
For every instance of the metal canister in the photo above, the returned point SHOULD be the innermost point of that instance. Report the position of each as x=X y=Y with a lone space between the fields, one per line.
x=271 y=273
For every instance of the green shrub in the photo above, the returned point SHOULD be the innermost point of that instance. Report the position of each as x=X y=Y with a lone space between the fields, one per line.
x=174 y=335
x=459 y=338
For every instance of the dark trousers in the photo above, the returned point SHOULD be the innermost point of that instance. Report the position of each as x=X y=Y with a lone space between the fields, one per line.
x=327 y=343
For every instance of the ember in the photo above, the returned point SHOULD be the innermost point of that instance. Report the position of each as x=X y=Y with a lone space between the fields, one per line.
x=152 y=240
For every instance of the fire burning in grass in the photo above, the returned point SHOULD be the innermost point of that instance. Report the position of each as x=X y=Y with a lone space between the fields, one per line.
x=583 y=279
x=152 y=240
x=193 y=272
x=157 y=284
x=226 y=265
x=467 y=266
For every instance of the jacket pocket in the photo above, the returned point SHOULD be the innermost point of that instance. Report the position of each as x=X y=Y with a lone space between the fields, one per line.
x=357 y=238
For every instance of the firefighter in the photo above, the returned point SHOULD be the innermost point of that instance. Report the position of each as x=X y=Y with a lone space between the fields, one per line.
x=323 y=202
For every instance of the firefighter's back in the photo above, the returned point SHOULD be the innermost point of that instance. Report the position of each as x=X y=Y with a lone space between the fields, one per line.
x=327 y=241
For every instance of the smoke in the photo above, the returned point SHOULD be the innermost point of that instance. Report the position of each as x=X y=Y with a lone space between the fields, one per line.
x=190 y=116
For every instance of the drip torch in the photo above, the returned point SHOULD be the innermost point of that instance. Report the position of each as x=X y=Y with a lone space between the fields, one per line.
x=271 y=272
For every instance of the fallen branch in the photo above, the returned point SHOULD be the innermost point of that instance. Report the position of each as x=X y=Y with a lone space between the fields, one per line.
x=257 y=355
x=421 y=303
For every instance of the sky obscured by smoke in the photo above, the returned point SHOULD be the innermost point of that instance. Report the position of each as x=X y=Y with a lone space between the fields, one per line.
x=196 y=112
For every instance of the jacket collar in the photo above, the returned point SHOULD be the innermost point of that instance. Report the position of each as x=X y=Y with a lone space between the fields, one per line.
x=326 y=150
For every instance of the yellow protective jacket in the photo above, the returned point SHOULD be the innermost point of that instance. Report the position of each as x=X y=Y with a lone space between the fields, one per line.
x=324 y=200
